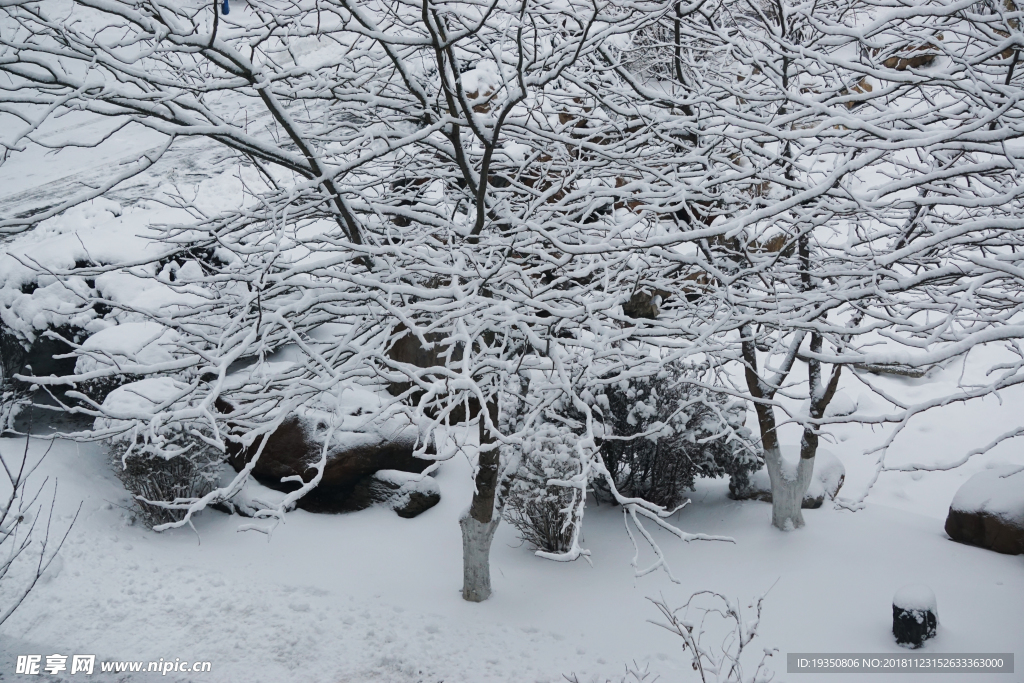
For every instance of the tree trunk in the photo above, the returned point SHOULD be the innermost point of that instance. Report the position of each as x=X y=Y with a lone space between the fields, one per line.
x=476 y=557
x=788 y=488
x=481 y=520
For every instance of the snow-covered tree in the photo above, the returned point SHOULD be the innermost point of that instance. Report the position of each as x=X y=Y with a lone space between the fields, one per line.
x=840 y=174
x=432 y=208
x=447 y=199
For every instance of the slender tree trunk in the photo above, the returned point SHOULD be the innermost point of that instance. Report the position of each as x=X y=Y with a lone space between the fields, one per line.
x=788 y=485
x=481 y=520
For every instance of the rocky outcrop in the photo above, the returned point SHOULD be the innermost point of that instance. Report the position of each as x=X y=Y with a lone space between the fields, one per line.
x=829 y=475
x=409 y=495
x=37 y=358
x=988 y=511
x=353 y=458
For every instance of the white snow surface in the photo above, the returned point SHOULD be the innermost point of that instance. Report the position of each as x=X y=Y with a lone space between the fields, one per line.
x=132 y=343
x=917 y=597
x=998 y=492
x=370 y=597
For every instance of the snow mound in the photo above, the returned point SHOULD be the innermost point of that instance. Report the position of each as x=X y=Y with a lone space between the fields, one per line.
x=138 y=402
x=916 y=597
x=841 y=405
x=143 y=343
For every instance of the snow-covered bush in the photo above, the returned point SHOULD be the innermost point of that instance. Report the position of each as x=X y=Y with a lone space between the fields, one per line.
x=664 y=431
x=164 y=465
x=542 y=512
x=659 y=433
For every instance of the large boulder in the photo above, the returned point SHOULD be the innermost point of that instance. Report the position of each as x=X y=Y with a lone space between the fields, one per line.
x=407 y=349
x=295 y=448
x=988 y=511
x=829 y=475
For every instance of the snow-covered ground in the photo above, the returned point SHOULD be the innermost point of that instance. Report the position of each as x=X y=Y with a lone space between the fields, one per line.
x=369 y=596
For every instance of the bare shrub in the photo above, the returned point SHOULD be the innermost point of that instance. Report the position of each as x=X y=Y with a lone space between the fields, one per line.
x=707 y=614
x=157 y=482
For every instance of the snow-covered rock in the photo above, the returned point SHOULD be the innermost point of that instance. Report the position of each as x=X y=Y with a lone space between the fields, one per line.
x=130 y=423
x=408 y=494
x=295 y=448
x=988 y=511
x=138 y=401
x=829 y=475
x=120 y=354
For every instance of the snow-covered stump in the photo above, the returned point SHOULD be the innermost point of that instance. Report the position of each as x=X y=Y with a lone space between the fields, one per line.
x=915 y=615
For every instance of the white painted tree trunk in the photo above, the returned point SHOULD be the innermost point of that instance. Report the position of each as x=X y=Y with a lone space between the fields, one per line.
x=788 y=488
x=481 y=519
x=476 y=557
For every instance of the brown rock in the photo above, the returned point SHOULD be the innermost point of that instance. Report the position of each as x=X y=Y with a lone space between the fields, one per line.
x=295 y=448
x=407 y=349
x=916 y=61
x=986 y=531
x=645 y=304
x=988 y=510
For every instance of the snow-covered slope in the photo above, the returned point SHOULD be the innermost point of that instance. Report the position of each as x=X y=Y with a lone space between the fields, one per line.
x=367 y=596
